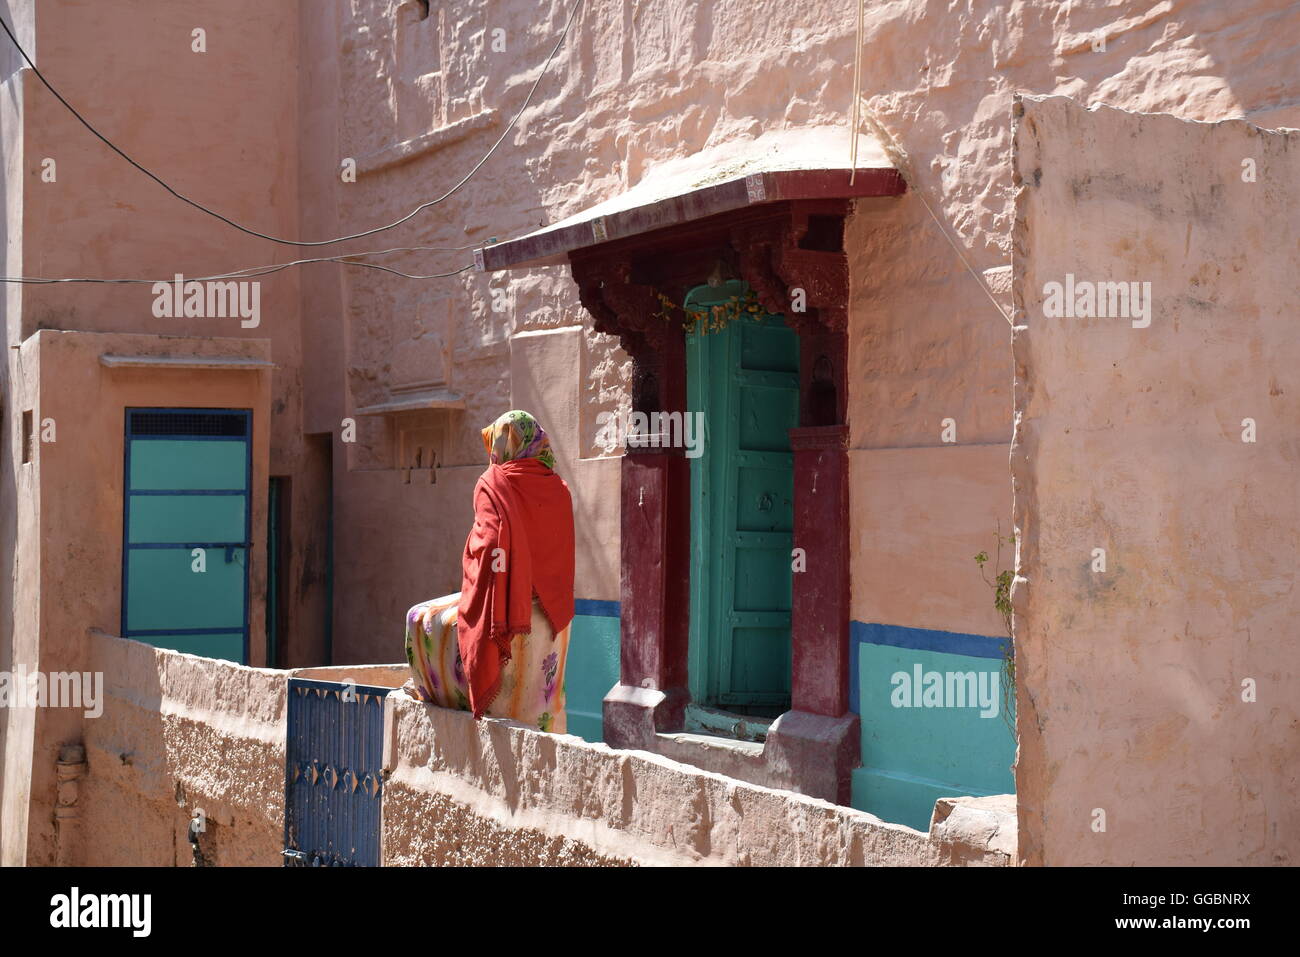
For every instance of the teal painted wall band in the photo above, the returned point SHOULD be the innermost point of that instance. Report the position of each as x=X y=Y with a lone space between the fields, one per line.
x=592 y=666
x=914 y=749
x=916 y=639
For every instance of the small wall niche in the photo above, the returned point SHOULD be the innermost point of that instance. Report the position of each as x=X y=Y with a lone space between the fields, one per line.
x=417 y=450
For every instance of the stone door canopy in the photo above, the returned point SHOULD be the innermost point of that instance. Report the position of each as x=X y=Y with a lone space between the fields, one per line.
x=776 y=167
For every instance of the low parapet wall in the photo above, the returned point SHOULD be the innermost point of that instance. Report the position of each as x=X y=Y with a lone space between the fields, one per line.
x=497 y=792
x=180 y=733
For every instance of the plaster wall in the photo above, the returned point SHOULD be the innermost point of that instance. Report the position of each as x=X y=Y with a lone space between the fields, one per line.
x=919 y=600
x=22 y=621
x=309 y=601
x=929 y=348
x=78 y=496
x=216 y=125
x=926 y=513
x=320 y=285
x=1135 y=679
x=221 y=126
x=926 y=344
x=417 y=102
x=17 y=633
x=180 y=734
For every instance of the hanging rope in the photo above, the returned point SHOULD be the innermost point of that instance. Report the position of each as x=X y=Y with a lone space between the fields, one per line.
x=898 y=156
x=857 y=98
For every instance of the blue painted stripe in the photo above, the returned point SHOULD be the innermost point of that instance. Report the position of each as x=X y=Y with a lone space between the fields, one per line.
x=917 y=639
x=599 y=609
x=923 y=639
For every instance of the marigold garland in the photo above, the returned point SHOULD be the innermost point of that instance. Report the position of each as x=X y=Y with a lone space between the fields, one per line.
x=712 y=318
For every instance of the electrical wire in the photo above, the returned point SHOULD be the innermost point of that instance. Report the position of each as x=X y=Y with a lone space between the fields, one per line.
x=295 y=242
x=252 y=272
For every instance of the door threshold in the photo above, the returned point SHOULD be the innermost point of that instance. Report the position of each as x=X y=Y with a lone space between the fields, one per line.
x=724 y=724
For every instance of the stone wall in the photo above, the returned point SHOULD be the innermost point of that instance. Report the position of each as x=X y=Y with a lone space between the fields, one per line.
x=495 y=792
x=180 y=733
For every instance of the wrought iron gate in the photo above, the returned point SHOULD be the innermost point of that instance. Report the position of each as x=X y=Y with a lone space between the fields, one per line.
x=333 y=786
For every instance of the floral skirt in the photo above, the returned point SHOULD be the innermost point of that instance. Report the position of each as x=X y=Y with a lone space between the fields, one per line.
x=532 y=681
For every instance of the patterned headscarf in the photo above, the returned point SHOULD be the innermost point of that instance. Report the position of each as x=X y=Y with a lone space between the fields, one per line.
x=517 y=435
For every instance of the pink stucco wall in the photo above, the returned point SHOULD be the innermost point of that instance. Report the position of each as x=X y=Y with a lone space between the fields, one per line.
x=217 y=125
x=1136 y=680
x=220 y=127
x=76 y=499
x=926 y=344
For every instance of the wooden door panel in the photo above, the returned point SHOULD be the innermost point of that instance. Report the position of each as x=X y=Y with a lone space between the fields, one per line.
x=744 y=378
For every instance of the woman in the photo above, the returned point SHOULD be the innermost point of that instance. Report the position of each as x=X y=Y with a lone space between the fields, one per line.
x=498 y=646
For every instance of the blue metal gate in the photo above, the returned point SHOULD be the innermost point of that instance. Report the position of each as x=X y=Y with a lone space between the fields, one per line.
x=333 y=786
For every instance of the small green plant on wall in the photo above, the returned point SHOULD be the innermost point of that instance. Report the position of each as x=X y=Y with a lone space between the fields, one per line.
x=1001 y=585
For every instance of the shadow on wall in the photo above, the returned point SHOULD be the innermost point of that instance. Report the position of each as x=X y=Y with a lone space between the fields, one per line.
x=9 y=318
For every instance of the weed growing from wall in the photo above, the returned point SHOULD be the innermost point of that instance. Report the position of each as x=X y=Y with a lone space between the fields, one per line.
x=1001 y=585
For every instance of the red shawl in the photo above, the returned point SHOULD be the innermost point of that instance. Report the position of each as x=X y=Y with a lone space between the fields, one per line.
x=521 y=545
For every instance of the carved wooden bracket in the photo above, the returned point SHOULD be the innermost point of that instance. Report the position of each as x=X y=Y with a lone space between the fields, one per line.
x=775 y=262
x=632 y=311
x=776 y=248
x=618 y=305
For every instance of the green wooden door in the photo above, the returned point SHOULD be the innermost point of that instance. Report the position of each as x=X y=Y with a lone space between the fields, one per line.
x=186 y=530
x=745 y=380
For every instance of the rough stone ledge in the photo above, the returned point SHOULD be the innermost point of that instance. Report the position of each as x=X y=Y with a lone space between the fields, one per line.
x=487 y=792
x=397 y=153
x=968 y=825
x=604 y=806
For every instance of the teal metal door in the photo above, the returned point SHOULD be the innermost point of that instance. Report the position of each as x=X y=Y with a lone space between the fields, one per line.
x=744 y=378
x=186 y=530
